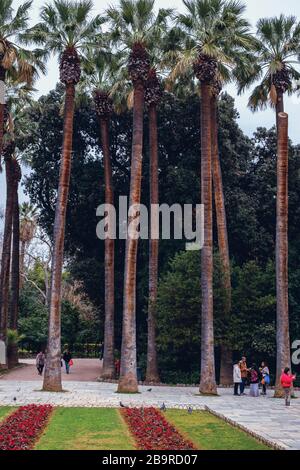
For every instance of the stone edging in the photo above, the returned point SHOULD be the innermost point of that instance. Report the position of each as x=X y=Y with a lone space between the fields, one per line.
x=254 y=434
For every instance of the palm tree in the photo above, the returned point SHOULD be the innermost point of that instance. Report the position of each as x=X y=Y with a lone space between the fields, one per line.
x=66 y=28
x=18 y=98
x=101 y=79
x=8 y=153
x=15 y=61
x=153 y=96
x=215 y=33
x=219 y=199
x=276 y=55
x=134 y=27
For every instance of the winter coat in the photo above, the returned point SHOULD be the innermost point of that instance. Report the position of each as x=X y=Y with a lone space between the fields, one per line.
x=287 y=380
x=237 y=376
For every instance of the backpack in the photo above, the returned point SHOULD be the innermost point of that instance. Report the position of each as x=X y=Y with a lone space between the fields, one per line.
x=254 y=376
x=267 y=379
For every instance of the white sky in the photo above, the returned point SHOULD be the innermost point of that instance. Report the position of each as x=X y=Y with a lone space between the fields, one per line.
x=249 y=122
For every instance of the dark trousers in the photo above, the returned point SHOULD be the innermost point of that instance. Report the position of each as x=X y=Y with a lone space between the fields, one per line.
x=236 y=388
x=40 y=369
x=243 y=384
x=264 y=389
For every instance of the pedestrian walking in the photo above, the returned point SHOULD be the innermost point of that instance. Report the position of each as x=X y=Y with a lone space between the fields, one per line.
x=67 y=358
x=40 y=362
x=286 y=381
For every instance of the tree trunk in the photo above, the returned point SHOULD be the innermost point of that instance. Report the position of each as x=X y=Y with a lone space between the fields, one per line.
x=208 y=380
x=12 y=352
x=128 y=371
x=279 y=106
x=52 y=377
x=6 y=252
x=22 y=263
x=283 y=335
x=15 y=264
x=152 y=369
x=2 y=106
x=226 y=353
x=108 y=370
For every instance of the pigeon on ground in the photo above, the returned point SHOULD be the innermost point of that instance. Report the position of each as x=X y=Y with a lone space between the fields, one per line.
x=190 y=410
x=15 y=399
x=121 y=405
x=163 y=407
x=149 y=390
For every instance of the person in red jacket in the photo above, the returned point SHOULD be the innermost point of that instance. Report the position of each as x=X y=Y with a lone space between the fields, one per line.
x=286 y=381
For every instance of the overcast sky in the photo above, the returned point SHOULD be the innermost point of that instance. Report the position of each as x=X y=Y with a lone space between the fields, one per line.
x=249 y=122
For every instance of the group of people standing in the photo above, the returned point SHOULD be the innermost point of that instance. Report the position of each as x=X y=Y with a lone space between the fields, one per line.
x=242 y=375
x=256 y=376
x=41 y=359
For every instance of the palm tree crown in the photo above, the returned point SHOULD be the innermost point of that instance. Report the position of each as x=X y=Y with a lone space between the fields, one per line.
x=136 y=29
x=23 y=64
x=68 y=30
x=276 y=54
x=214 y=35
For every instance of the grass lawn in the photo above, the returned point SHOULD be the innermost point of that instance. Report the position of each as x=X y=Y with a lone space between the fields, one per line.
x=5 y=410
x=211 y=433
x=86 y=429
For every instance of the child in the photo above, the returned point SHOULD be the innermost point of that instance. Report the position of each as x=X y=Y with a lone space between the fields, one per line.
x=286 y=381
x=237 y=378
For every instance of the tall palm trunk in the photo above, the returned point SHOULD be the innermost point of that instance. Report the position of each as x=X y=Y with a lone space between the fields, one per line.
x=279 y=106
x=22 y=263
x=208 y=381
x=15 y=268
x=6 y=249
x=283 y=335
x=128 y=371
x=108 y=355
x=152 y=369
x=52 y=377
x=2 y=110
x=226 y=353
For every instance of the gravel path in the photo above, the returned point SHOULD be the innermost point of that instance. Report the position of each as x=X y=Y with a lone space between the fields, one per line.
x=265 y=417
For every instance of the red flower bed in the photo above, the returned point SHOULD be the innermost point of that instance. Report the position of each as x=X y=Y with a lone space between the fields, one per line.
x=22 y=428
x=152 y=431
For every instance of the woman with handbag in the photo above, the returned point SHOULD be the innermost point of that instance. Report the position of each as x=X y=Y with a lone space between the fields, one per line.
x=265 y=373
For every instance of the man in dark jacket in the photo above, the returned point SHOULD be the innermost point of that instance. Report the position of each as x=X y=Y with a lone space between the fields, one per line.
x=67 y=357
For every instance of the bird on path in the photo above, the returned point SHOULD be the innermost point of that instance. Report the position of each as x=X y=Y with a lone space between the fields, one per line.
x=190 y=410
x=121 y=405
x=149 y=390
x=163 y=407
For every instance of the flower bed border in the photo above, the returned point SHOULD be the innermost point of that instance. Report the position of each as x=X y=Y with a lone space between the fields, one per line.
x=22 y=429
x=152 y=431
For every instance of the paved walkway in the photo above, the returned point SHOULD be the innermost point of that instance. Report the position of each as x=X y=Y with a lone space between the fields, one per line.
x=265 y=417
x=83 y=370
